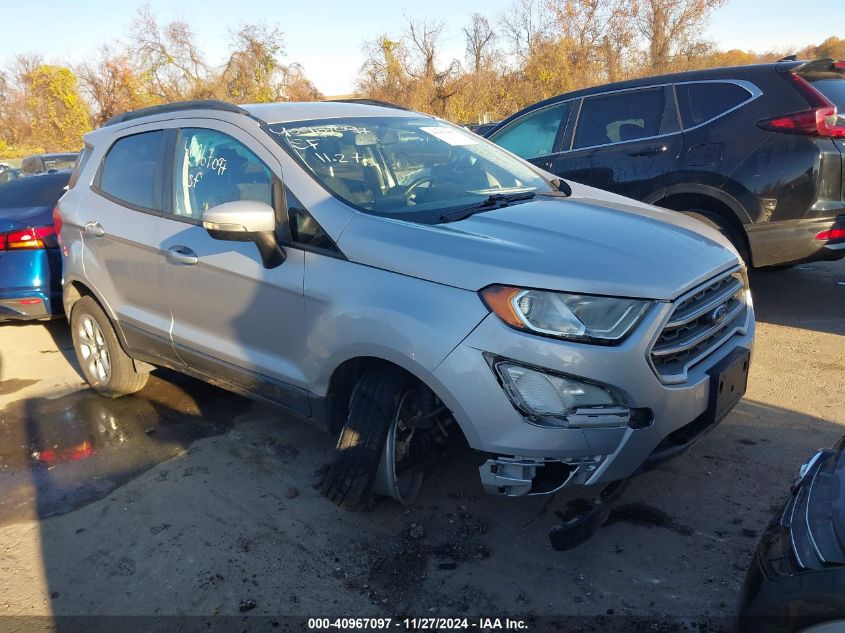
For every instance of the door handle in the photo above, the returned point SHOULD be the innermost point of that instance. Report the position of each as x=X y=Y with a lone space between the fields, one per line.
x=95 y=229
x=182 y=255
x=650 y=151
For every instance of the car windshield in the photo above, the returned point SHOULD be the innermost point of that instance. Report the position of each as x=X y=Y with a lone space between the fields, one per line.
x=404 y=167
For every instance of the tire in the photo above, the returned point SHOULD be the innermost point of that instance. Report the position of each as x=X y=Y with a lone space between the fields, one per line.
x=105 y=366
x=373 y=407
x=714 y=221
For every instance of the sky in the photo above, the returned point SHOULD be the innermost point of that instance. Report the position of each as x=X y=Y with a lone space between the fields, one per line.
x=326 y=36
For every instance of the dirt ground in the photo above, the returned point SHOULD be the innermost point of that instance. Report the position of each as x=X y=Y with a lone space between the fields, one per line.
x=187 y=500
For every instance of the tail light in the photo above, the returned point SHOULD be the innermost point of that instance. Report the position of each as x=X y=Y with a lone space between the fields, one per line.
x=39 y=237
x=822 y=119
x=831 y=234
x=57 y=220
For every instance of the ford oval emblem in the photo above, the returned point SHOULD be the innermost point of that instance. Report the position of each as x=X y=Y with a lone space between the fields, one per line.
x=718 y=313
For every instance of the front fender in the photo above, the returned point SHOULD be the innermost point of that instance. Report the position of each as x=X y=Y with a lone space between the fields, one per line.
x=358 y=311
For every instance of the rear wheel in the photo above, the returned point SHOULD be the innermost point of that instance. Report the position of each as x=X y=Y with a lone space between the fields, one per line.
x=378 y=445
x=724 y=227
x=104 y=364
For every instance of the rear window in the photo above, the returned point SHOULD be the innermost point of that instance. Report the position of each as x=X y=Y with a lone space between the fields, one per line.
x=619 y=117
x=701 y=102
x=831 y=86
x=131 y=171
x=37 y=191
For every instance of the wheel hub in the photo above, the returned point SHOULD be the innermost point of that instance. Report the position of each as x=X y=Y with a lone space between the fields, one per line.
x=396 y=477
x=93 y=349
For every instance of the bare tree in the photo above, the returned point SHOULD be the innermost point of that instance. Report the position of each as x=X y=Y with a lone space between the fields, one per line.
x=670 y=26
x=112 y=84
x=383 y=75
x=525 y=24
x=253 y=71
x=295 y=86
x=432 y=87
x=169 y=56
x=480 y=39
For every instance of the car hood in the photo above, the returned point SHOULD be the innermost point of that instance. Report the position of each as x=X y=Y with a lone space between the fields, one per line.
x=23 y=217
x=592 y=242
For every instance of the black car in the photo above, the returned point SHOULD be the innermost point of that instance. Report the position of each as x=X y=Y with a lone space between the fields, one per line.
x=481 y=128
x=797 y=576
x=757 y=150
x=41 y=163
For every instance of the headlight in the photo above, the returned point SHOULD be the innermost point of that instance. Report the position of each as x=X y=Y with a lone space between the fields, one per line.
x=586 y=318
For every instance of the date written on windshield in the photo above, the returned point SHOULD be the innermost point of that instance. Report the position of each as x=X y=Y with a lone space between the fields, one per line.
x=418 y=624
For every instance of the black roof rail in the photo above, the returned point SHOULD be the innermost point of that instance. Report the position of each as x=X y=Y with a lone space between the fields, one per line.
x=372 y=102
x=178 y=106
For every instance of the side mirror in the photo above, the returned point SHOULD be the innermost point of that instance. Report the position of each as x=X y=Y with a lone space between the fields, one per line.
x=246 y=221
x=239 y=221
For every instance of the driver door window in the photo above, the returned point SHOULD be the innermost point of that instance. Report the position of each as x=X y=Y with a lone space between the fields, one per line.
x=211 y=168
x=534 y=134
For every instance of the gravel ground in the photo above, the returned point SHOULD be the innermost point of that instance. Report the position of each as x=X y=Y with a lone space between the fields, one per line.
x=187 y=500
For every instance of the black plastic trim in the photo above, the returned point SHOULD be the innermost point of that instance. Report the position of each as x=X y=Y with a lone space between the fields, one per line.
x=179 y=106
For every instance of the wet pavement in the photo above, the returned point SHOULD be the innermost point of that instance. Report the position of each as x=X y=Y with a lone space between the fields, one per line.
x=59 y=454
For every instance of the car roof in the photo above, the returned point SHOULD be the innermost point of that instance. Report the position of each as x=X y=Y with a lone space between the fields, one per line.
x=304 y=110
x=263 y=113
x=725 y=72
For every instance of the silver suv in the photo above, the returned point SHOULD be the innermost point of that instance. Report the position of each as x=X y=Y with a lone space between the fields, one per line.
x=406 y=285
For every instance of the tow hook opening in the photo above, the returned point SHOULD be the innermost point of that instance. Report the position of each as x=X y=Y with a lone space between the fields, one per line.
x=518 y=476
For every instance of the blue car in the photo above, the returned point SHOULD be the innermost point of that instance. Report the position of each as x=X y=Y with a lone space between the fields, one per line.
x=30 y=261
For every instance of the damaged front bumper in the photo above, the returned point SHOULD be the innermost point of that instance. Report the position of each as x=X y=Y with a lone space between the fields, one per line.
x=518 y=476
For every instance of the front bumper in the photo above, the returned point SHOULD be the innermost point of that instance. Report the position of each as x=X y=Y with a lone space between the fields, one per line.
x=521 y=451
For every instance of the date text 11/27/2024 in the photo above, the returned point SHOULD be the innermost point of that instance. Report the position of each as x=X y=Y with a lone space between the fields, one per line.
x=417 y=624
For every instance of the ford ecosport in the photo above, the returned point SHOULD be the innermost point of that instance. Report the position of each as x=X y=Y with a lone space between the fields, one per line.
x=400 y=281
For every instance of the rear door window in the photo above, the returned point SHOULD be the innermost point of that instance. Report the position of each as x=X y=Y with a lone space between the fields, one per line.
x=619 y=117
x=702 y=102
x=132 y=171
x=534 y=134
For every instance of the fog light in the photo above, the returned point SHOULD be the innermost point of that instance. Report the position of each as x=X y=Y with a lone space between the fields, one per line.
x=545 y=395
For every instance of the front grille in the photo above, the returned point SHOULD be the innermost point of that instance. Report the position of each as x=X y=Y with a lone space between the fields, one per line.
x=701 y=321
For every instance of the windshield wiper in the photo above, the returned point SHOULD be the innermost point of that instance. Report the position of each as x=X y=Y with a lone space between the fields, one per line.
x=494 y=201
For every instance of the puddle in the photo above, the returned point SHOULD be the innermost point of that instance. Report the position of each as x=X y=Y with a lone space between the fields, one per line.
x=57 y=455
